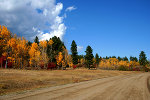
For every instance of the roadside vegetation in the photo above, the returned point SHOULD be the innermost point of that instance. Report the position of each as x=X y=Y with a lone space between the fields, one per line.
x=19 y=53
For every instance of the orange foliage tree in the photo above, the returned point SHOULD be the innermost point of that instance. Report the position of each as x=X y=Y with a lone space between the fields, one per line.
x=22 y=52
x=5 y=36
x=34 y=55
x=59 y=59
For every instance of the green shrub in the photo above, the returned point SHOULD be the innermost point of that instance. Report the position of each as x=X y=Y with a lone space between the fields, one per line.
x=122 y=68
x=146 y=69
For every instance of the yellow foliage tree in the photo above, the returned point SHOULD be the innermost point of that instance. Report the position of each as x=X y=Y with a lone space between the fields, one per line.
x=43 y=56
x=5 y=36
x=59 y=59
x=66 y=58
x=34 y=55
x=22 y=52
x=50 y=42
x=69 y=61
x=113 y=63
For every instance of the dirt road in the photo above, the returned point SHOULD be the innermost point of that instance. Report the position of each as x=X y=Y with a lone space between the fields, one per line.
x=123 y=87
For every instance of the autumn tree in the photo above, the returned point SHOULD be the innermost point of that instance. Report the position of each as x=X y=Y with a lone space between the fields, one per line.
x=59 y=59
x=134 y=63
x=10 y=49
x=66 y=57
x=81 y=59
x=69 y=61
x=5 y=36
x=142 y=58
x=43 y=55
x=89 y=56
x=21 y=52
x=74 y=52
x=49 y=50
x=34 y=55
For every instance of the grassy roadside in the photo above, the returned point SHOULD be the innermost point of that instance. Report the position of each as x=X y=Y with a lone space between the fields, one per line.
x=13 y=80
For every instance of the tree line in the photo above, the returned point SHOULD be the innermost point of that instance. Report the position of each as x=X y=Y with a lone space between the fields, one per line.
x=17 y=52
x=89 y=61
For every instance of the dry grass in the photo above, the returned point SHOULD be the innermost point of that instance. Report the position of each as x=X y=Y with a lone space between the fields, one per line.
x=12 y=80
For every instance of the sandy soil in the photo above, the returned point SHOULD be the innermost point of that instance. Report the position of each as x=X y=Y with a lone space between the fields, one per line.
x=123 y=87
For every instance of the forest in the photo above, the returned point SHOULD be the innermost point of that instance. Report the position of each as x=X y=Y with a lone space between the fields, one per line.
x=19 y=53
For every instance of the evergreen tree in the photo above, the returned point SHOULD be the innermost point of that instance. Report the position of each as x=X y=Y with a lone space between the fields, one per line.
x=74 y=52
x=136 y=59
x=29 y=43
x=89 y=56
x=107 y=57
x=125 y=58
x=100 y=59
x=113 y=56
x=97 y=58
x=119 y=58
x=133 y=59
x=80 y=57
x=56 y=47
x=36 y=40
x=142 y=58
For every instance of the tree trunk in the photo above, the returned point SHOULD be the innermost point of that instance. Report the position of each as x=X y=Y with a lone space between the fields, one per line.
x=20 y=63
x=51 y=53
x=1 y=63
x=6 y=64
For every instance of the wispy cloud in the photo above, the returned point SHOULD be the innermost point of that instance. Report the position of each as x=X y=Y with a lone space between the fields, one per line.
x=71 y=8
x=79 y=48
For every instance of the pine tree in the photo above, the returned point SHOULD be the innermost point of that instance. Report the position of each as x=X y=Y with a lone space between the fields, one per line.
x=119 y=58
x=133 y=59
x=113 y=57
x=29 y=43
x=142 y=58
x=74 y=52
x=125 y=58
x=54 y=48
x=89 y=56
x=100 y=59
x=97 y=58
x=107 y=57
x=36 y=40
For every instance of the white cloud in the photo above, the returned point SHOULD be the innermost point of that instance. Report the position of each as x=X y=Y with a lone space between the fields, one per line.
x=23 y=18
x=71 y=8
x=79 y=48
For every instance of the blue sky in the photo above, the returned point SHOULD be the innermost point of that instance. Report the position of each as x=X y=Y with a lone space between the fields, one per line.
x=110 y=27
